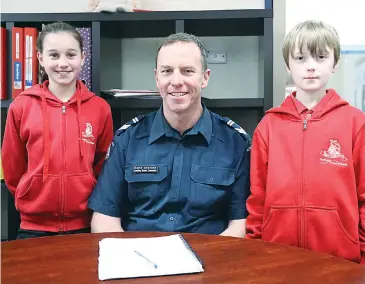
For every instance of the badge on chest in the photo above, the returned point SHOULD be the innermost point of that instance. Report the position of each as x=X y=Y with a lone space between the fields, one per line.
x=149 y=169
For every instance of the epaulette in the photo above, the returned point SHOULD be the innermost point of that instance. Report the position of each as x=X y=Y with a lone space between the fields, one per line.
x=239 y=129
x=129 y=124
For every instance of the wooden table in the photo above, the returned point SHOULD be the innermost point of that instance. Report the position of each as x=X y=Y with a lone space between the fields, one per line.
x=73 y=259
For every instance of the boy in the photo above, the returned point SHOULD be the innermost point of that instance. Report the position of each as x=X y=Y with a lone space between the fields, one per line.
x=308 y=156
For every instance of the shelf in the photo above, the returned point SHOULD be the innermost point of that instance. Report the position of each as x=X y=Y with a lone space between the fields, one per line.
x=152 y=103
x=157 y=24
x=137 y=16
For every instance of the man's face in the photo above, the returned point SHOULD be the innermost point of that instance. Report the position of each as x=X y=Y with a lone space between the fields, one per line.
x=311 y=74
x=180 y=77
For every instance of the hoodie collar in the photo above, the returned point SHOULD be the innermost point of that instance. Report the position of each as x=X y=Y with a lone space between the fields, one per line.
x=329 y=102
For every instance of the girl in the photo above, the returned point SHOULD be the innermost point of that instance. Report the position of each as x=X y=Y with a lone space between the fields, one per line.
x=55 y=141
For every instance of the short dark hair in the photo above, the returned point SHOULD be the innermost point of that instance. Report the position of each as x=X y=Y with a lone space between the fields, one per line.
x=56 y=28
x=184 y=37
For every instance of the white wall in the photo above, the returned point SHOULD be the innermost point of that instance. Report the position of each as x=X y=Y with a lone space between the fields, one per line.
x=347 y=17
x=166 y=5
x=43 y=6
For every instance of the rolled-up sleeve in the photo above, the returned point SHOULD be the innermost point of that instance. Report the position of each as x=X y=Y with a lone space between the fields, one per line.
x=241 y=187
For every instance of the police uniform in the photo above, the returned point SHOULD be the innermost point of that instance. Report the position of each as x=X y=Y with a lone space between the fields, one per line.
x=156 y=179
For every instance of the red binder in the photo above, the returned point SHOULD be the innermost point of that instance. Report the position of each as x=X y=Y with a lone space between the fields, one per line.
x=17 y=37
x=3 y=94
x=30 y=58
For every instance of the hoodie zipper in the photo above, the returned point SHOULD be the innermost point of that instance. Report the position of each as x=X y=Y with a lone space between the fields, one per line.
x=63 y=170
x=302 y=194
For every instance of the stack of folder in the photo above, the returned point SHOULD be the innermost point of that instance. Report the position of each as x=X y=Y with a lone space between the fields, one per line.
x=24 y=59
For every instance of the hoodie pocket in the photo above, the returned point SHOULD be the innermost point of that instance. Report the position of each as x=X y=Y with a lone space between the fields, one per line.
x=281 y=225
x=326 y=233
x=40 y=197
x=78 y=190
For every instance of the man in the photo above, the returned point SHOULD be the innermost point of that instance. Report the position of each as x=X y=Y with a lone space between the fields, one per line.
x=181 y=168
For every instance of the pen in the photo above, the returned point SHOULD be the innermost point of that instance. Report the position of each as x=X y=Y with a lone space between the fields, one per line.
x=141 y=255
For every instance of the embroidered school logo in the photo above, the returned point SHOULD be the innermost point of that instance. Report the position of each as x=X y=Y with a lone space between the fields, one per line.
x=333 y=155
x=87 y=135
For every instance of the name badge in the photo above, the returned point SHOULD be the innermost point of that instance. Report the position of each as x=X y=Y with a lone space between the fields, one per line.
x=145 y=169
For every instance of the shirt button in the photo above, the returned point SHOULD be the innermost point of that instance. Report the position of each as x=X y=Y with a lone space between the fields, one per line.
x=171 y=218
x=174 y=196
x=179 y=144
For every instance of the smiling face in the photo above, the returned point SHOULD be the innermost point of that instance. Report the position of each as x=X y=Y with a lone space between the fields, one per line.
x=180 y=77
x=61 y=58
x=311 y=73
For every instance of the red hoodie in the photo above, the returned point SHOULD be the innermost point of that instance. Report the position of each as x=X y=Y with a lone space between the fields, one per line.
x=52 y=154
x=308 y=179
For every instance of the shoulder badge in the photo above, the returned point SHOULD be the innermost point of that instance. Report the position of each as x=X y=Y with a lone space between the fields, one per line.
x=129 y=124
x=239 y=129
x=110 y=150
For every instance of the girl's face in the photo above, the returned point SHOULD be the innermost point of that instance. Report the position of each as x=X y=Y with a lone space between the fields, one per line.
x=61 y=58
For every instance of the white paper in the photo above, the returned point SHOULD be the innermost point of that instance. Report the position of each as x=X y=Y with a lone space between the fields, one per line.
x=118 y=257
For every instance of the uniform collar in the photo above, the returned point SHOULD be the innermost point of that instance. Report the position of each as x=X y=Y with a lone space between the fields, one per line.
x=160 y=127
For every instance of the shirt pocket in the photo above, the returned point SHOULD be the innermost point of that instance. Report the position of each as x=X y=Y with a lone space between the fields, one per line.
x=210 y=190
x=144 y=188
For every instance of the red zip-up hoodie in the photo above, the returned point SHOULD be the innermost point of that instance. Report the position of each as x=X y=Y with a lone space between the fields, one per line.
x=52 y=154
x=308 y=179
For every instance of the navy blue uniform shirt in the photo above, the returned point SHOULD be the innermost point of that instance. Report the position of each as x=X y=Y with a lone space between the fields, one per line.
x=156 y=179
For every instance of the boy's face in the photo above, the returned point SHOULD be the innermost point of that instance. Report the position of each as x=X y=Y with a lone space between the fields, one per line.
x=311 y=74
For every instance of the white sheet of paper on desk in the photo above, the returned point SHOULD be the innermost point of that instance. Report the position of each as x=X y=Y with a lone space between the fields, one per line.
x=118 y=257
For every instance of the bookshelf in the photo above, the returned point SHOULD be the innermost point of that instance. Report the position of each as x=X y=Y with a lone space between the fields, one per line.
x=246 y=111
x=160 y=24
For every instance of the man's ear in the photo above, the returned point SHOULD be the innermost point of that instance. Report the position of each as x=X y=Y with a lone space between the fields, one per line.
x=156 y=79
x=206 y=77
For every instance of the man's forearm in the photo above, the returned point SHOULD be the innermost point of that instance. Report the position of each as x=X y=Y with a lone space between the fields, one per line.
x=236 y=228
x=101 y=223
